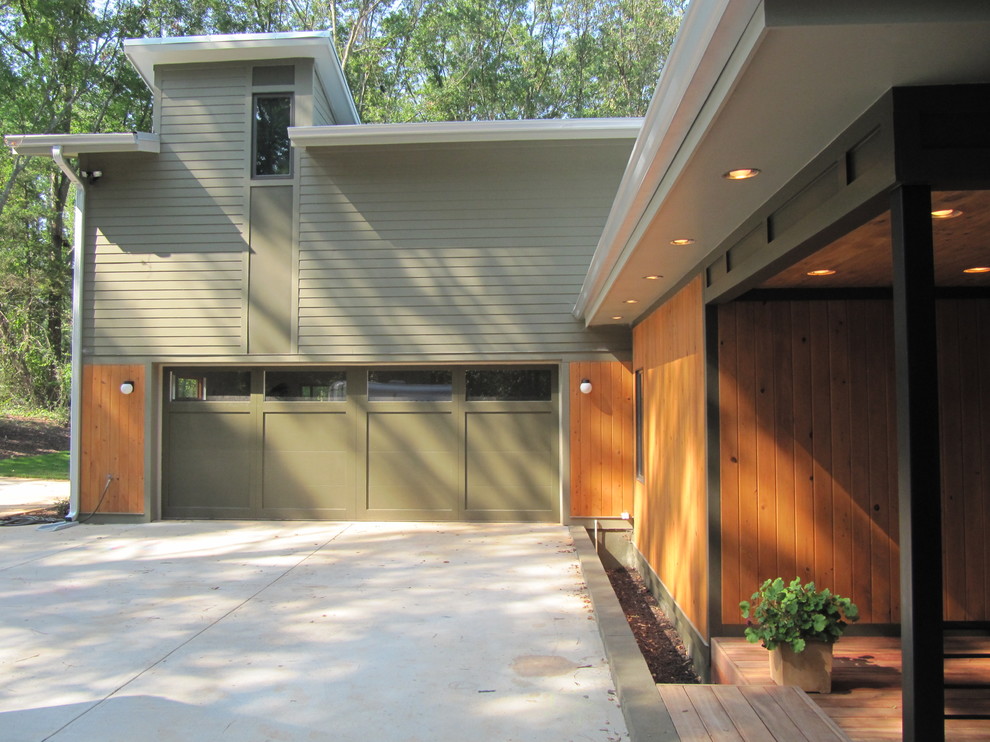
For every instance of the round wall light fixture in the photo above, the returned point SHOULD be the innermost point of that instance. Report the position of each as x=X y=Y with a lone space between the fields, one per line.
x=585 y=386
x=127 y=387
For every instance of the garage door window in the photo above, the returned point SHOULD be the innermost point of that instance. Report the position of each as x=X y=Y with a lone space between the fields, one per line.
x=306 y=386
x=508 y=385
x=207 y=385
x=410 y=385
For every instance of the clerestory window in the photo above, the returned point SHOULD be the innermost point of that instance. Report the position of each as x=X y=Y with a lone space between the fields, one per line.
x=271 y=121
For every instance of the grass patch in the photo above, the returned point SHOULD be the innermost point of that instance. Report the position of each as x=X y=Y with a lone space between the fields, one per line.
x=45 y=466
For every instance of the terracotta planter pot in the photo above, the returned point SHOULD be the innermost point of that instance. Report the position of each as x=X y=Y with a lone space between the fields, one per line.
x=810 y=670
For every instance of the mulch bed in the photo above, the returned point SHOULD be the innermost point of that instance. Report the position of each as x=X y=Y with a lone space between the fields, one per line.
x=23 y=436
x=659 y=642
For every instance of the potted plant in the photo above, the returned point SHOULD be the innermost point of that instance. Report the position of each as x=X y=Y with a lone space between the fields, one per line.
x=798 y=624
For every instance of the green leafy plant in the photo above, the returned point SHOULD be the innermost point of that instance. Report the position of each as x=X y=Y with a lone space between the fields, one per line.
x=794 y=614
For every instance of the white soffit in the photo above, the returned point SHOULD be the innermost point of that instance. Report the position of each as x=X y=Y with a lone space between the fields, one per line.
x=465 y=131
x=74 y=145
x=768 y=92
x=146 y=54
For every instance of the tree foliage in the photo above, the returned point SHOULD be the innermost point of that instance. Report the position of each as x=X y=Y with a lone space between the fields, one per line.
x=62 y=70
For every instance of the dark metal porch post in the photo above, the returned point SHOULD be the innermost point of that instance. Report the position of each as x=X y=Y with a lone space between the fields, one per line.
x=918 y=481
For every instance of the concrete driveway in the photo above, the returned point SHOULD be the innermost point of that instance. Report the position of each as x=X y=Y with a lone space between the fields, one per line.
x=299 y=631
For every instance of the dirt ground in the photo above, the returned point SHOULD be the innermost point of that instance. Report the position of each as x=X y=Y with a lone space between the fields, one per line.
x=657 y=638
x=22 y=436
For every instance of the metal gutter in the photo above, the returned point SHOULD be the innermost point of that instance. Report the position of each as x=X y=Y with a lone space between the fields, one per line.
x=705 y=42
x=466 y=131
x=75 y=409
x=73 y=145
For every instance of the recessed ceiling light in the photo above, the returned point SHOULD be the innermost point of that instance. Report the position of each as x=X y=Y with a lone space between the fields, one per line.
x=631 y=301
x=741 y=173
x=616 y=316
x=978 y=269
x=822 y=272
x=682 y=241
x=946 y=213
x=653 y=277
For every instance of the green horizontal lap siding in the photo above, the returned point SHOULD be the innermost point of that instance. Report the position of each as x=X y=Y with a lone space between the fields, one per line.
x=322 y=113
x=165 y=268
x=450 y=249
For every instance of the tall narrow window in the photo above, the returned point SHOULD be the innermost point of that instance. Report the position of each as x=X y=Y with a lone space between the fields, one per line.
x=272 y=151
x=639 y=424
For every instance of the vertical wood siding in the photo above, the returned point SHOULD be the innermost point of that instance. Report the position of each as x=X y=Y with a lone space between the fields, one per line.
x=166 y=233
x=808 y=469
x=964 y=395
x=671 y=505
x=602 y=445
x=809 y=451
x=408 y=253
x=112 y=441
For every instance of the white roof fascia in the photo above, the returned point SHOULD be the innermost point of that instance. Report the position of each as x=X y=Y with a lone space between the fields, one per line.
x=708 y=37
x=146 y=54
x=465 y=131
x=74 y=145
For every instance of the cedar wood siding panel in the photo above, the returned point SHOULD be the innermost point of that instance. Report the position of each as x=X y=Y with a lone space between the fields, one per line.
x=671 y=521
x=408 y=252
x=166 y=235
x=602 y=444
x=827 y=508
x=812 y=421
x=964 y=396
x=112 y=440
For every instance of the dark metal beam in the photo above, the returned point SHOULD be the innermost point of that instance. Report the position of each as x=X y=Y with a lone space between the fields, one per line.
x=919 y=491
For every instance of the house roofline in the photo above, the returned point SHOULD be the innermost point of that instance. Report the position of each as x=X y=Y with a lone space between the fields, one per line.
x=146 y=54
x=704 y=44
x=465 y=131
x=74 y=145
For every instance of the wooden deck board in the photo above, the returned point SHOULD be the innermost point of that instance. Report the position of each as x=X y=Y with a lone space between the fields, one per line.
x=866 y=684
x=725 y=713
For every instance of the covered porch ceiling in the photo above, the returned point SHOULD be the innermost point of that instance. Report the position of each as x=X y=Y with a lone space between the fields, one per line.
x=769 y=85
x=862 y=258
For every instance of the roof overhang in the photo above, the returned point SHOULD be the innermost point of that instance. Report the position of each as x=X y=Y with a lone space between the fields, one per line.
x=465 y=131
x=146 y=54
x=766 y=85
x=74 y=145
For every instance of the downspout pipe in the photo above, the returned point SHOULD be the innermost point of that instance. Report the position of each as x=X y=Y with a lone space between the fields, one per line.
x=76 y=365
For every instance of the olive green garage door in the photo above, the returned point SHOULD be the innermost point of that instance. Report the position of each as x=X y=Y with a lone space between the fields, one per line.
x=473 y=444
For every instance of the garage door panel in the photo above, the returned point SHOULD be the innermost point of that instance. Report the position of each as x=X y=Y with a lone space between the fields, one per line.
x=209 y=460
x=309 y=480
x=401 y=479
x=308 y=431
x=211 y=430
x=412 y=461
x=504 y=499
x=215 y=478
x=507 y=431
x=509 y=468
x=411 y=431
x=492 y=458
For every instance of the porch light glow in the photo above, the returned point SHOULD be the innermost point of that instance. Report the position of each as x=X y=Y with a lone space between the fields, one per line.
x=682 y=241
x=822 y=272
x=631 y=301
x=946 y=213
x=978 y=269
x=742 y=173
x=616 y=316
x=652 y=277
